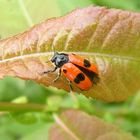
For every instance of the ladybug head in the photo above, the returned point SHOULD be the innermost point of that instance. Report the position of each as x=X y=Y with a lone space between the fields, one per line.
x=59 y=59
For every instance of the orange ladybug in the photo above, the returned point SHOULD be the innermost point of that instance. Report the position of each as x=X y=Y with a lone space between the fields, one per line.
x=76 y=69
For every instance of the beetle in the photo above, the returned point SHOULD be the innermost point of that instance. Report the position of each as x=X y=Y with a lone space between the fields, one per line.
x=76 y=69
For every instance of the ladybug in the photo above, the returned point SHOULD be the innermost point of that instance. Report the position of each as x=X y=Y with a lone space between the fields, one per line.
x=76 y=69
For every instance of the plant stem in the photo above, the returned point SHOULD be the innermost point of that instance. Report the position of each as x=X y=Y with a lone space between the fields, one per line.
x=17 y=107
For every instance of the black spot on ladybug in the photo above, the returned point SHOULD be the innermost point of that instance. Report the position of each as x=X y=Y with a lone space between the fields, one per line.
x=79 y=77
x=65 y=71
x=76 y=81
x=86 y=63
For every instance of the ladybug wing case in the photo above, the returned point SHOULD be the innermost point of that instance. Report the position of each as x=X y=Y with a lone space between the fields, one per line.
x=78 y=60
x=76 y=76
x=85 y=66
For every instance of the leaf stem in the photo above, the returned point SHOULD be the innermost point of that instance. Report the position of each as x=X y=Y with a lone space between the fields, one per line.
x=17 y=107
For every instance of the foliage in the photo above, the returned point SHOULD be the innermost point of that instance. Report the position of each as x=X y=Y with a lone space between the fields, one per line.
x=77 y=125
x=52 y=101
x=108 y=37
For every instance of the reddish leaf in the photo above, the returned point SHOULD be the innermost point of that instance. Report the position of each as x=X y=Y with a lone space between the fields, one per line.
x=77 y=125
x=108 y=37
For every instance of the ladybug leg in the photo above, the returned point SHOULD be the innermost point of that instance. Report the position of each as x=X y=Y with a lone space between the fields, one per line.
x=58 y=76
x=50 y=71
x=70 y=86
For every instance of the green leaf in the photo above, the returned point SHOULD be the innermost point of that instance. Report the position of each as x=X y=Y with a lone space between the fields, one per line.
x=77 y=125
x=21 y=99
x=54 y=103
x=25 y=118
x=66 y=6
x=46 y=117
x=122 y=4
x=18 y=15
x=109 y=38
x=39 y=134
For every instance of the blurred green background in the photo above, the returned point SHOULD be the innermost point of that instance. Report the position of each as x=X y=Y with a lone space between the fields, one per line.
x=17 y=16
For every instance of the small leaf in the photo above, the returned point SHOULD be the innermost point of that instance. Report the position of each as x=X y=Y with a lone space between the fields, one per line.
x=22 y=99
x=46 y=117
x=25 y=118
x=76 y=125
x=136 y=101
x=107 y=37
x=53 y=103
